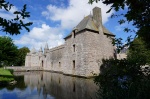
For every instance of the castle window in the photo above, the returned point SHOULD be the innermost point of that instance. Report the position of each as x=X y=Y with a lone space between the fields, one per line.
x=74 y=49
x=73 y=64
x=59 y=64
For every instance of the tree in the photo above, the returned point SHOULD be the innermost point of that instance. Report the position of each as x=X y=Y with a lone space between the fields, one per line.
x=126 y=79
x=138 y=51
x=8 y=51
x=123 y=79
x=13 y=26
x=22 y=52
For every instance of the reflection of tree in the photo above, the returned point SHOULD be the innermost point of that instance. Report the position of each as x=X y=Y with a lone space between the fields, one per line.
x=20 y=84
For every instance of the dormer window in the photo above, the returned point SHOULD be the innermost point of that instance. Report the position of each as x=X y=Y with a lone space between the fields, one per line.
x=74 y=32
x=74 y=35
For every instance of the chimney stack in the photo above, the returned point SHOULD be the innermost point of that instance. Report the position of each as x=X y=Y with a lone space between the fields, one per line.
x=97 y=16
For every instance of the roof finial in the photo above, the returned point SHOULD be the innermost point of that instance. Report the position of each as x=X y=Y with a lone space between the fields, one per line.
x=33 y=50
x=40 y=49
x=46 y=46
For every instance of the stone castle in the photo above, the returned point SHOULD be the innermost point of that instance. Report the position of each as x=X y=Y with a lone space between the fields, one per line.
x=81 y=55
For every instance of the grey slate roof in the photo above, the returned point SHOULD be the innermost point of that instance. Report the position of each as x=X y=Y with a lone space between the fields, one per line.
x=88 y=23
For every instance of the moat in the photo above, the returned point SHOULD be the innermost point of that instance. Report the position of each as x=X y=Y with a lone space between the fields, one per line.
x=47 y=85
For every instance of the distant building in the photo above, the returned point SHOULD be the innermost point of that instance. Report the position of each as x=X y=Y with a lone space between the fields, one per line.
x=123 y=53
x=84 y=48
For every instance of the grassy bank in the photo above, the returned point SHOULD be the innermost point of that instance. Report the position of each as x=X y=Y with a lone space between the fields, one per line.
x=5 y=75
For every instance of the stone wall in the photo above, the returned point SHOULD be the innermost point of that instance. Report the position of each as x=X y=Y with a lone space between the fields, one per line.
x=54 y=59
x=75 y=51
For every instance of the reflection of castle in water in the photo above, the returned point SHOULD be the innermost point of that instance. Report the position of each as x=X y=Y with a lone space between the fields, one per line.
x=60 y=86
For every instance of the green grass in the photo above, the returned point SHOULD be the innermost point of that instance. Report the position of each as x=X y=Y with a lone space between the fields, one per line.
x=5 y=75
x=5 y=72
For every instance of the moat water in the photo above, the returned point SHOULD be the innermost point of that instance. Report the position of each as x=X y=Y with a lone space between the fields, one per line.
x=47 y=85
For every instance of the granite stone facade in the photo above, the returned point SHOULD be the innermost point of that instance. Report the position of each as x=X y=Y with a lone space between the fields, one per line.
x=84 y=48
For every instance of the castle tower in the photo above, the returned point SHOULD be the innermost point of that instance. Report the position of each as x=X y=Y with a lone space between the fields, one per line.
x=40 y=52
x=87 y=45
x=28 y=60
x=46 y=49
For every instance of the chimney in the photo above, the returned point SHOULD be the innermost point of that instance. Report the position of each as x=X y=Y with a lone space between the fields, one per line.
x=97 y=16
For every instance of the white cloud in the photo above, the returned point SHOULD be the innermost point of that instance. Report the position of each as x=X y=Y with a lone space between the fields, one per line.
x=38 y=36
x=8 y=14
x=71 y=15
x=68 y=17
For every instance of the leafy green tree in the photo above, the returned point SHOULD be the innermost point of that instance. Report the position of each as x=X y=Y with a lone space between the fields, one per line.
x=126 y=79
x=123 y=79
x=21 y=56
x=138 y=51
x=13 y=26
x=8 y=51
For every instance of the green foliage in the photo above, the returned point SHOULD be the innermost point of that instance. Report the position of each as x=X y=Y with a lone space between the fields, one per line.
x=139 y=51
x=126 y=79
x=9 y=54
x=123 y=79
x=22 y=52
x=14 y=26
x=8 y=51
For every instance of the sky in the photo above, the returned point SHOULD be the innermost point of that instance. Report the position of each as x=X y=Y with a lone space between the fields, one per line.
x=54 y=19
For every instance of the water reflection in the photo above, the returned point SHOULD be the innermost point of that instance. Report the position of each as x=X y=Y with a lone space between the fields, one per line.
x=46 y=85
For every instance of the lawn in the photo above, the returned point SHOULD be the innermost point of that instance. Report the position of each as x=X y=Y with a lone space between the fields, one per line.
x=5 y=75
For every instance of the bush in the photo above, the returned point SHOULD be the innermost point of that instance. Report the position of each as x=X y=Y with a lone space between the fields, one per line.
x=123 y=79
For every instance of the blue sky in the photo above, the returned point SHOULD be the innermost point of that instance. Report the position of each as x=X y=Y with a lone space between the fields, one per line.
x=54 y=19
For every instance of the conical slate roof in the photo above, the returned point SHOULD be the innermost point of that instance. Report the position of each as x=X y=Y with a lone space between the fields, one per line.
x=46 y=46
x=40 y=49
x=33 y=50
x=89 y=23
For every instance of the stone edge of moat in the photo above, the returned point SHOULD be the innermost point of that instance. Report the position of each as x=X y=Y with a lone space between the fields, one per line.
x=89 y=77
x=27 y=69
